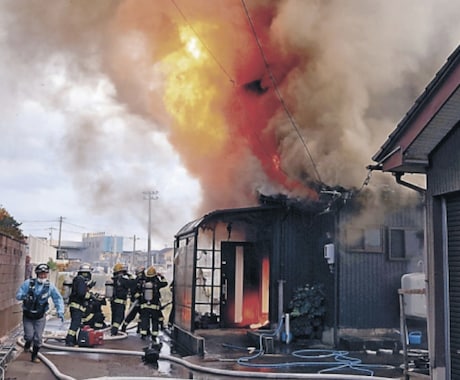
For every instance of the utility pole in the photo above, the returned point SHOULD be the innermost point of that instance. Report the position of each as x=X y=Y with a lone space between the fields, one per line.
x=134 y=250
x=59 y=241
x=150 y=195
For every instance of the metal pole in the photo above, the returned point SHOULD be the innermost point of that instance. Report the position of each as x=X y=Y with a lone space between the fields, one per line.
x=60 y=232
x=134 y=251
x=149 y=241
x=149 y=195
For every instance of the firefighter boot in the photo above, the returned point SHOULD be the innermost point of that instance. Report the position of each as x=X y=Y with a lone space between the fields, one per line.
x=34 y=357
x=123 y=327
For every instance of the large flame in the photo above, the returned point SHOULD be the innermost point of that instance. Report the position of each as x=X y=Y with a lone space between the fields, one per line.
x=218 y=124
x=190 y=92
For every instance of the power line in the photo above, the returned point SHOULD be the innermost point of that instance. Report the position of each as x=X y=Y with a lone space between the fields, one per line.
x=275 y=86
x=203 y=43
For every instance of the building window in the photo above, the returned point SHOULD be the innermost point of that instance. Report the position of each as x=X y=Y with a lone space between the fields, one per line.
x=403 y=243
x=369 y=239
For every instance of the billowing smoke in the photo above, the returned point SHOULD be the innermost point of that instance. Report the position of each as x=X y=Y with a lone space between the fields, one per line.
x=253 y=96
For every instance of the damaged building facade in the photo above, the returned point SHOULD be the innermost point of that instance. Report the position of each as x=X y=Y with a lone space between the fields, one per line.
x=240 y=268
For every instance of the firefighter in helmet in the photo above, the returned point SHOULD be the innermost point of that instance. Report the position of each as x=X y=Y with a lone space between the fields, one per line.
x=150 y=303
x=135 y=298
x=78 y=301
x=122 y=284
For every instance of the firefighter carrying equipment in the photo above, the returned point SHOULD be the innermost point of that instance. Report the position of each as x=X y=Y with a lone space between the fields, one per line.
x=42 y=268
x=85 y=271
x=151 y=271
x=118 y=267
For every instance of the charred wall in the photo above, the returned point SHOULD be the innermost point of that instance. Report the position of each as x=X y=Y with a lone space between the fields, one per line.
x=298 y=260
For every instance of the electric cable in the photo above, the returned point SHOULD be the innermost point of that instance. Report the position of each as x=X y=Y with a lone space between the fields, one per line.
x=278 y=93
x=203 y=43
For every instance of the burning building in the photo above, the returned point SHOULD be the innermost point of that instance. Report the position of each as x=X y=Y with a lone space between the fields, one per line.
x=240 y=268
x=254 y=97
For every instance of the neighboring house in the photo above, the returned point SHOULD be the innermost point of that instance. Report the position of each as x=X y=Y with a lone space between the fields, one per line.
x=239 y=268
x=40 y=250
x=427 y=141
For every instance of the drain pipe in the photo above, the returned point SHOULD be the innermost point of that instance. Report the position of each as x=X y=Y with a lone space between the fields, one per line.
x=280 y=301
x=399 y=180
x=409 y=185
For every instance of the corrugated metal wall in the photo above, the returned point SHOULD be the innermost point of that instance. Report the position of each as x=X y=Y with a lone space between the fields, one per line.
x=299 y=260
x=368 y=281
x=443 y=178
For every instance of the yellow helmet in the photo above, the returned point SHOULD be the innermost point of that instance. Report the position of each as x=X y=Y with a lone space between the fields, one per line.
x=118 y=267
x=151 y=271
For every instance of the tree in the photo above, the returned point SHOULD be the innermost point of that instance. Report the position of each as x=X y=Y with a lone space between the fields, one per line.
x=9 y=226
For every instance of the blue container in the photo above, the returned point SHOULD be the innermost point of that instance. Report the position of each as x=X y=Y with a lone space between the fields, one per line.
x=415 y=337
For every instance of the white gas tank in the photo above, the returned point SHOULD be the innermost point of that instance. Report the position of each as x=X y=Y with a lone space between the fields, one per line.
x=414 y=304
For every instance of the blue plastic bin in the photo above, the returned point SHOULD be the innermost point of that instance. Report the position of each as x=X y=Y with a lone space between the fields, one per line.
x=415 y=337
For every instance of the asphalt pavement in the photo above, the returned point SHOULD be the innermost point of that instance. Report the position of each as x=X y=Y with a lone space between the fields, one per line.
x=229 y=354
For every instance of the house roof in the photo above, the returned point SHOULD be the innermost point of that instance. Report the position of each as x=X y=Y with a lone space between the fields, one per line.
x=253 y=214
x=225 y=215
x=434 y=114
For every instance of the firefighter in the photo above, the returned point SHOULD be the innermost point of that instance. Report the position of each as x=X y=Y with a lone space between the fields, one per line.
x=94 y=316
x=150 y=303
x=135 y=299
x=34 y=294
x=122 y=284
x=78 y=302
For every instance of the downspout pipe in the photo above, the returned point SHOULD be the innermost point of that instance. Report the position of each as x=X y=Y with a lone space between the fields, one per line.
x=398 y=177
x=399 y=180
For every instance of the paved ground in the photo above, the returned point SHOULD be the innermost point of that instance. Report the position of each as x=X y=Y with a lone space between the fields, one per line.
x=226 y=350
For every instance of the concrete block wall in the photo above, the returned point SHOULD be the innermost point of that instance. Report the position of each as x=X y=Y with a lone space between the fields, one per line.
x=12 y=266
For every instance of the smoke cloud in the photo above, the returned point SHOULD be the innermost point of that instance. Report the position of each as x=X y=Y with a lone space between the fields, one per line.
x=248 y=97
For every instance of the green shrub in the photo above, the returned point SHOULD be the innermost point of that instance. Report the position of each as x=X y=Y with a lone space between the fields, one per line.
x=307 y=311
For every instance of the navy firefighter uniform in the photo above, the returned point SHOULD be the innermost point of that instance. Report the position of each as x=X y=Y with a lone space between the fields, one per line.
x=135 y=299
x=78 y=302
x=122 y=284
x=150 y=303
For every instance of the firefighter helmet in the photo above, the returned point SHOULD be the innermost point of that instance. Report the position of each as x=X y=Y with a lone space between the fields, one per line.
x=151 y=271
x=139 y=270
x=42 y=268
x=85 y=267
x=85 y=271
x=118 y=267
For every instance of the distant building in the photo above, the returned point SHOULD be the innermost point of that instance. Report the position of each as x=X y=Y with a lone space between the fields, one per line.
x=40 y=250
x=105 y=250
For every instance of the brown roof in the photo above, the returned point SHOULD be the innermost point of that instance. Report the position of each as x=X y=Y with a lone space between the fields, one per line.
x=434 y=114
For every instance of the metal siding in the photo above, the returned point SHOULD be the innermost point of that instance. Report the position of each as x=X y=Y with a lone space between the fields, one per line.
x=302 y=260
x=444 y=173
x=453 y=244
x=368 y=282
x=439 y=126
